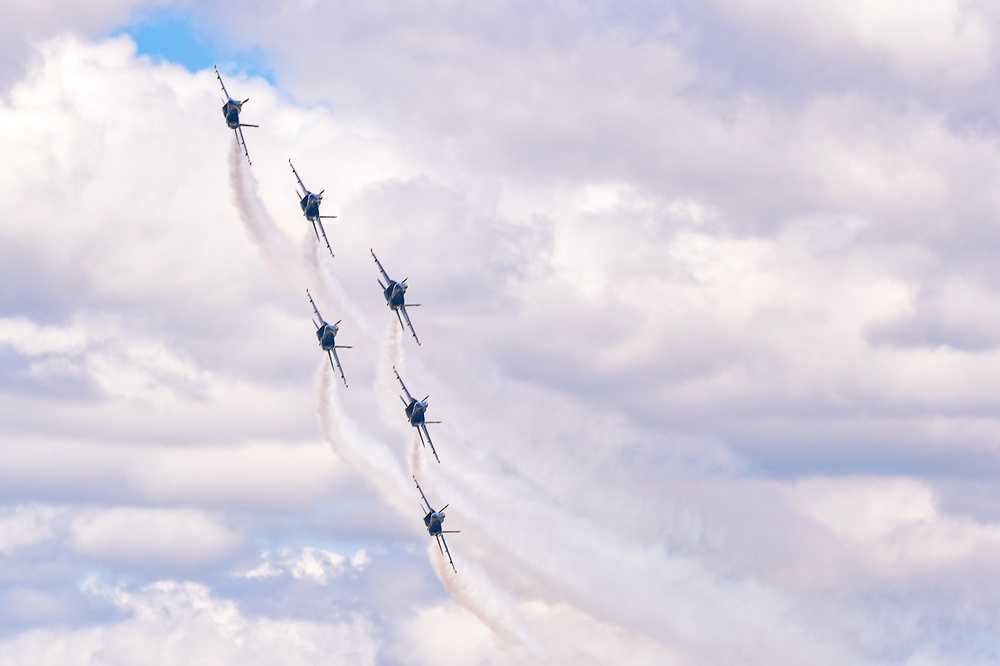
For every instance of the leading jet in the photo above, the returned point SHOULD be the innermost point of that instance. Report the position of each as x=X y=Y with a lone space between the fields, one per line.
x=327 y=334
x=395 y=297
x=433 y=520
x=231 y=110
x=416 y=411
x=309 y=202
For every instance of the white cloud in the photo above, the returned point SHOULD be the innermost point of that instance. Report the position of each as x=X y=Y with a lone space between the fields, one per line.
x=445 y=635
x=171 y=622
x=25 y=526
x=133 y=535
x=314 y=564
x=893 y=524
x=630 y=280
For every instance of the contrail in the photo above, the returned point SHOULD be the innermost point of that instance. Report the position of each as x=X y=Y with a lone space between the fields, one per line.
x=494 y=608
x=387 y=389
x=365 y=453
x=416 y=460
x=320 y=268
x=274 y=246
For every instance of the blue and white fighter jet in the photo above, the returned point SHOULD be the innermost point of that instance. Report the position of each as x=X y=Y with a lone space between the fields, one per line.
x=309 y=202
x=231 y=110
x=433 y=520
x=395 y=297
x=416 y=411
x=327 y=336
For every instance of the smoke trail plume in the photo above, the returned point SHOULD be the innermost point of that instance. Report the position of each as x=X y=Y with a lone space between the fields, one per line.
x=385 y=381
x=494 y=608
x=416 y=460
x=365 y=453
x=274 y=246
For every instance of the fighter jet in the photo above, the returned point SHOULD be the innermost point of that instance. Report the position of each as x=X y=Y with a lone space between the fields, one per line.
x=310 y=208
x=231 y=110
x=433 y=521
x=326 y=334
x=395 y=294
x=415 y=414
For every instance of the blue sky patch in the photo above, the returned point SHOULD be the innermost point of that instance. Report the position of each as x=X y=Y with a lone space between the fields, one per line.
x=169 y=34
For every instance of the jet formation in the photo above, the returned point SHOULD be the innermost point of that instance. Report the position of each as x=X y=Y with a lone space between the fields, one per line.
x=326 y=333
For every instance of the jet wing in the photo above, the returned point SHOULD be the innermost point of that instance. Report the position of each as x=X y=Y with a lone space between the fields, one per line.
x=323 y=231
x=422 y=496
x=297 y=177
x=315 y=309
x=239 y=136
x=422 y=428
x=409 y=397
x=218 y=76
x=408 y=323
x=448 y=552
x=333 y=357
x=388 y=280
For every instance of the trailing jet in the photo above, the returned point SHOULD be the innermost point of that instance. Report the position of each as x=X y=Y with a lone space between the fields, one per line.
x=327 y=334
x=395 y=297
x=309 y=202
x=433 y=521
x=416 y=414
x=231 y=110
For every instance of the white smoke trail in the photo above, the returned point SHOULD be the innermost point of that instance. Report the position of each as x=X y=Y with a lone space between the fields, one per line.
x=494 y=608
x=274 y=246
x=417 y=468
x=320 y=268
x=392 y=356
x=365 y=453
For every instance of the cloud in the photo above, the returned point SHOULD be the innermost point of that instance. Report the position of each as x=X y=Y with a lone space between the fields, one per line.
x=188 y=624
x=25 y=526
x=893 y=524
x=654 y=292
x=313 y=564
x=132 y=535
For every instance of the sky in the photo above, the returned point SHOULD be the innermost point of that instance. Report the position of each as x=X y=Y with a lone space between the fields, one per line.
x=709 y=314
